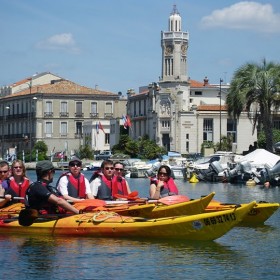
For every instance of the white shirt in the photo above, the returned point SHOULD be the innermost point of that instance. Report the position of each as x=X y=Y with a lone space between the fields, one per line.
x=63 y=182
x=94 y=185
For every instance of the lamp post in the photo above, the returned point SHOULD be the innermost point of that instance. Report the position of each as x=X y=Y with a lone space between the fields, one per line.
x=220 y=94
x=30 y=126
x=3 y=130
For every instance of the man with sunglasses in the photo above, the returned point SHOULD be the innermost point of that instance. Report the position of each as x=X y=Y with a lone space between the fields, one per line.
x=4 y=175
x=73 y=185
x=42 y=196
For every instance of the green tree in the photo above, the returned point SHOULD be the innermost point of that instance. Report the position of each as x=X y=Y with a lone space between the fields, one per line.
x=254 y=88
x=41 y=146
x=85 y=152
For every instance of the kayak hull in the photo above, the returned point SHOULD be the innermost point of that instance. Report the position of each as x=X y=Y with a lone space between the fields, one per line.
x=191 y=207
x=205 y=226
x=261 y=212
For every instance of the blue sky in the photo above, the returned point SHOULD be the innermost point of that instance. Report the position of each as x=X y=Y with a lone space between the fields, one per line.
x=115 y=44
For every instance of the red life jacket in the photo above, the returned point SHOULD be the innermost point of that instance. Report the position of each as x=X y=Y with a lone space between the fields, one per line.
x=16 y=189
x=119 y=186
x=76 y=186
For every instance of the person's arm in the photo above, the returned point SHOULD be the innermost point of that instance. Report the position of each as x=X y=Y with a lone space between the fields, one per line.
x=94 y=186
x=127 y=186
x=155 y=189
x=88 y=190
x=62 y=203
x=7 y=198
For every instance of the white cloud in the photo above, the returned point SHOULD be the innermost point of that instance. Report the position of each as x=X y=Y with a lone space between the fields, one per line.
x=245 y=15
x=63 y=42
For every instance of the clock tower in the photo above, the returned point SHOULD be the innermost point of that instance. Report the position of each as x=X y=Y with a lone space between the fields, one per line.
x=174 y=44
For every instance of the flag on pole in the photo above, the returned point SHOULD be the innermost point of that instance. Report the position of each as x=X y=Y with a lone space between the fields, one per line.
x=124 y=121
x=97 y=128
x=128 y=121
x=101 y=127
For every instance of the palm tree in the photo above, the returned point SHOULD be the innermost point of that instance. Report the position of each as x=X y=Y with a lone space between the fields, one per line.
x=255 y=88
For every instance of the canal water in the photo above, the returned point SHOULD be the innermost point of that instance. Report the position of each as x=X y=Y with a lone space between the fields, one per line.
x=243 y=253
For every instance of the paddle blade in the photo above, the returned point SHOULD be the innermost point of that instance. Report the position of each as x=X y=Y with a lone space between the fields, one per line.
x=132 y=196
x=80 y=205
x=27 y=217
x=173 y=199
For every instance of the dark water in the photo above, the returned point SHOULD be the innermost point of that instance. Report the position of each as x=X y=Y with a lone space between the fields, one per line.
x=243 y=253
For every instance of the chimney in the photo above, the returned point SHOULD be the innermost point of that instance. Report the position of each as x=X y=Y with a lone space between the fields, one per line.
x=205 y=81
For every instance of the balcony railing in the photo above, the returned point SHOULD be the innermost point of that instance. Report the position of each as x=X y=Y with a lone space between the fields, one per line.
x=64 y=114
x=48 y=114
x=93 y=115
x=108 y=115
x=79 y=114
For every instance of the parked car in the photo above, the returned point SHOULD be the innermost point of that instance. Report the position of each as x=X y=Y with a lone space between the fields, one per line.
x=103 y=155
x=277 y=147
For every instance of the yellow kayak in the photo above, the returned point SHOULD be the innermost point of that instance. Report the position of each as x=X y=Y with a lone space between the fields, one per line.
x=154 y=210
x=147 y=210
x=205 y=226
x=257 y=216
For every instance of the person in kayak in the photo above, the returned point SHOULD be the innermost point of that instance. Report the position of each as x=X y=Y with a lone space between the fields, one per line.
x=17 y=184
x=42 y=196
x=163 y=185
x=74 y=185
x=4 y=174
x=101 y=181
x=119 y=182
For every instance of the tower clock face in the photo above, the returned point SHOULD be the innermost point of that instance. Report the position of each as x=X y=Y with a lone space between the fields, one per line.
x=183 y=49
x=168 y=50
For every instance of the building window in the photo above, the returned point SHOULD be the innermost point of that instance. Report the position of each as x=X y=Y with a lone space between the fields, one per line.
x=48 y=109
x=232 y=129
x=79 y=130
x=187 y=146
x=108 y=109
x=165 y=124
x=93 y=109
x=107 y=138
x=49 y=129
x=198 y=93
x=63 y=129
x=64 y=109
x=187 y=136
x=208 y=130
x=79 y=109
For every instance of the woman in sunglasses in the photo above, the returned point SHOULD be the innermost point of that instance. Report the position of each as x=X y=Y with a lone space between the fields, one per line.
x=17 y=184
x=163 y=185
x=120 y=185
x=73 y=185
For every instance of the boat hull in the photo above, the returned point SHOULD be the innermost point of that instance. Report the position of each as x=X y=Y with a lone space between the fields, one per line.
x=205 y=226
x=195 y=206
x=261 y=212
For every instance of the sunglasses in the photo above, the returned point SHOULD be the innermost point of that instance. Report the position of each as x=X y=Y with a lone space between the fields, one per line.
x=109 y=168
x=4 y=171
x=72 y=164
x=162 y=174
x=119 y=169
x=17 y=167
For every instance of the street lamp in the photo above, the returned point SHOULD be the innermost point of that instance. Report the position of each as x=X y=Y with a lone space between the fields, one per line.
x=30 y=126
x=221 y=80
x=3 y=130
